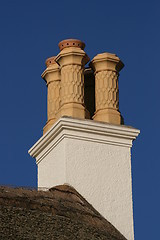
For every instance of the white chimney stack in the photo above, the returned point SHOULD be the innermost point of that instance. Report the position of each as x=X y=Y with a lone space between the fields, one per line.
x=93 y=156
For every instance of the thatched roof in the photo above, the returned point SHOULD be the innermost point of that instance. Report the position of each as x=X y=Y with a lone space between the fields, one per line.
x=60 y=213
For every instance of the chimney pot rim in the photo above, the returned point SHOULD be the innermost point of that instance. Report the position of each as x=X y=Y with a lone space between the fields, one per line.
x=111 y=57
x=71 y=43
x=50 y=60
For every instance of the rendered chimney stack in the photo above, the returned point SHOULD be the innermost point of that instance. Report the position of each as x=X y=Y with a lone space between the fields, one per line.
x=72 y=60
x=93 y=156
x=106 y=68
x=52 y=76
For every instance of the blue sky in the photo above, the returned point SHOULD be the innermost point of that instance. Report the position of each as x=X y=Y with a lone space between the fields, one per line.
x=30 y=32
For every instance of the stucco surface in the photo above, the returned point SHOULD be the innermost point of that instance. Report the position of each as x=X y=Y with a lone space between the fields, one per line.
x=52 y=170
x=102 y=173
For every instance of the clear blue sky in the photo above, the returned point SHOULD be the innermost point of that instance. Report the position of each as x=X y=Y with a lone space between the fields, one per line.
x=30 y=32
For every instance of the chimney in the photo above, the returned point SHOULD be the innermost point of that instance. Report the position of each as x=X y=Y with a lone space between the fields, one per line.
x=93 y=156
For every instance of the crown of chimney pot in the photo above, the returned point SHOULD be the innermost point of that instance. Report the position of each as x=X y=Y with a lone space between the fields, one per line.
x=71 y=43
x=50 y=61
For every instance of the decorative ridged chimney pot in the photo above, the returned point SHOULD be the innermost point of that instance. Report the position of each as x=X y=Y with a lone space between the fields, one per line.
x=72 y=60
x=106 y=68
x=52 y=77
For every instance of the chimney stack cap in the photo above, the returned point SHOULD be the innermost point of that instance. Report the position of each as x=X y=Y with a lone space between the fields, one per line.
x=71 y=43
x=50 y=61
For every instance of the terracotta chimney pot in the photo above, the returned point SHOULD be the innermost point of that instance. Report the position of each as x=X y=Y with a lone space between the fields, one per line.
x=106 y=68
x=72 y=60
x=52 y=77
